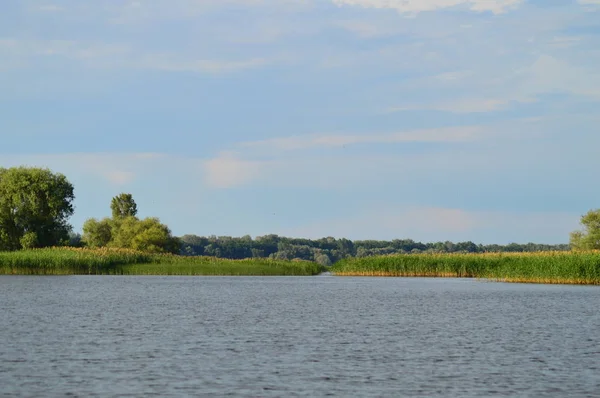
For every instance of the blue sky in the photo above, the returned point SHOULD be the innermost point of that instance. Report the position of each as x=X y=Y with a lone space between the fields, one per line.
x=367 y=119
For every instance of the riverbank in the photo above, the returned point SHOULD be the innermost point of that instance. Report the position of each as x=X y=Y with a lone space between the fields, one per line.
x=543 y=267
x=73 y=261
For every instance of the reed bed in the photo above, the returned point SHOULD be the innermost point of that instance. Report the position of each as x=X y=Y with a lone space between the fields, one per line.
x=68 y=261
x=73 y=261
x=178 y=265
x=541 y=267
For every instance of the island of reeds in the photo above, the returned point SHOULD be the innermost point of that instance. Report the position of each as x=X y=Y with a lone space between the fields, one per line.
x=78 y=261
x=543 y=267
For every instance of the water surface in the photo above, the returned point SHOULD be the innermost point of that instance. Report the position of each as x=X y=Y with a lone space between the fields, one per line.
x=296 y=336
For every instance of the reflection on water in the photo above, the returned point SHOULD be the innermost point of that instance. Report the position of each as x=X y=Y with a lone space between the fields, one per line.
x=295 y=336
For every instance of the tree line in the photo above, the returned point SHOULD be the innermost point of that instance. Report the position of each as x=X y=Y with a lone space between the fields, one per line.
x=35 y=205
x=326 y=251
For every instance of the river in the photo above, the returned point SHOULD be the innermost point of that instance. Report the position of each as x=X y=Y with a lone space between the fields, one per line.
x=296 y=336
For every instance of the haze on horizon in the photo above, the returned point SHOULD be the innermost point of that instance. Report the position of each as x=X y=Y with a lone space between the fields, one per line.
x=365 y=119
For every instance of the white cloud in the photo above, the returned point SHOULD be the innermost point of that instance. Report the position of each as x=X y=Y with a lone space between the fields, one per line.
x=448 y=134
x=458 y=106
x=50 y=8
x=549 y=75
x=114 y=168
x=227 y=170
x=8 y=43
x=364 y=29
x=485 y=153
x=293 y=161
x=495 y=90
x=70 y=49
x=452 y=76
x=104 y=55
x=118 y=177
x=565 y=41
x=416 y=6
x=149 y=10
x=202 y=66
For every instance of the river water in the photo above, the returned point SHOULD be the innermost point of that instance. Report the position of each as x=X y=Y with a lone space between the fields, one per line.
x=296 y=336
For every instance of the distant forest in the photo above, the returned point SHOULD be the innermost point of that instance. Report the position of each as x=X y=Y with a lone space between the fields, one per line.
x=327 y=251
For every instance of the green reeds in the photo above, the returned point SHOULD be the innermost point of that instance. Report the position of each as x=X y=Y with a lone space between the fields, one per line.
x=542 y=267
x=68 y=261
x=178 y=265
x=71 y=261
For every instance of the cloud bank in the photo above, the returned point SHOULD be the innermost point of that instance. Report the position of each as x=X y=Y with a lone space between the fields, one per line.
x=417 y=6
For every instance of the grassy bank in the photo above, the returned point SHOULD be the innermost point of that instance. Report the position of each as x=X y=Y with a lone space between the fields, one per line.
x=70 y=261
x=542 y=267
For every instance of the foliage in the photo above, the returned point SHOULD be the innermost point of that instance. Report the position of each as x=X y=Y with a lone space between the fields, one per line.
x=145 y=235
x=589 y=237
x=35 y=205
x=126 y=231
x=97 y=233
x=68 y=261
x=123 y=206
x=323 y=259
x=178 y=265
x=75 y=240
x=330 y=250
x=29 y=240
x=541 y=267
x=110 y=261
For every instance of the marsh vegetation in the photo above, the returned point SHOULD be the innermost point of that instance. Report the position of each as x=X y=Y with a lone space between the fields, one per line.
x=107 y=261
x=542 y=267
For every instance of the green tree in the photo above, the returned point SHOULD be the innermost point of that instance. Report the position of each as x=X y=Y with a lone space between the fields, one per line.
x=123 y=206
x=323 y=259
x=124 y=230
x=587 y=238
x=35 y=205
x=29 y=240
x=97 y=233
x=153 y=236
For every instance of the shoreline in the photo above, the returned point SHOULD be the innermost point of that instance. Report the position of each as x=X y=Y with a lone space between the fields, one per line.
x=72 y=261
x=536 y=281
x=573 y=268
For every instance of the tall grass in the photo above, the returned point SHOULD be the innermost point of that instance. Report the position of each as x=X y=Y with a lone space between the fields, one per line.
x=179 y=265
x=71 y=261
x=67 y=261
x=542 y=267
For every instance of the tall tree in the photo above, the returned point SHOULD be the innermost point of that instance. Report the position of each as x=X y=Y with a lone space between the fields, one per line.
x=35 y=205
x=125 y=230
x=589 y=237
x=123 y=206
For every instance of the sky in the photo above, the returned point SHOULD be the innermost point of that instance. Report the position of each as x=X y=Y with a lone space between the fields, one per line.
x=432 y=120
